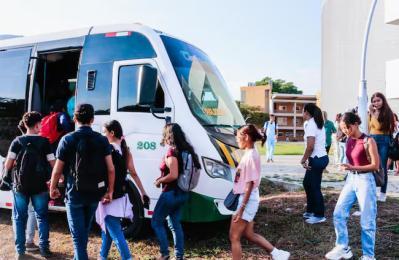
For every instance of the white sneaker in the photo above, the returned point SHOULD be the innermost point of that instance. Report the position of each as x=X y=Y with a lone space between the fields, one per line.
x=315 y=220
x=307 y=215
x=382 y=197
x=366 y=257
x=278 y=254
x=357 y=213
x=339 y=252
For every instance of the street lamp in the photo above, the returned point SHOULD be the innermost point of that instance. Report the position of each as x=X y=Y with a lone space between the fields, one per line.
x=363 y=99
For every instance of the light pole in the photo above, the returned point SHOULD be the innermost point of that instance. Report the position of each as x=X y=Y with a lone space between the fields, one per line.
x=363 y=99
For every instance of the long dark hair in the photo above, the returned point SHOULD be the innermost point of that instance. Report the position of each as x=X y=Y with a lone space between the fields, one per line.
x=350 y=118
x=253 y=133
x=175 y=137
x=115 y=126
x=316 y=113
x=385 y=117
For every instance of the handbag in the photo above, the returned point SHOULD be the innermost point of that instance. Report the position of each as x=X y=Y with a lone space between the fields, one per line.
x=379 y=174
x=6 y=180
x=231 y=201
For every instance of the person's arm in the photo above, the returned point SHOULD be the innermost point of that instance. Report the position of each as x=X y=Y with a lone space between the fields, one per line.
x=133 y=173
x=374 y=165
x=111 y=179
x=173 y=166
x=248 y=189
x=333 y=129
x=55 y=177
x=9 y=164
x=310 y=141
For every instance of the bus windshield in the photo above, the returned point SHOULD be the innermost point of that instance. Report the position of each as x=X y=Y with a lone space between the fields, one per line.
x=202 y=84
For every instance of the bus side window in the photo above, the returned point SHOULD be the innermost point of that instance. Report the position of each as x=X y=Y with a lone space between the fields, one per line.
x=159 y=101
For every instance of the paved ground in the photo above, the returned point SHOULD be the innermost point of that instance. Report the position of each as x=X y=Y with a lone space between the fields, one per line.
x=286 y=169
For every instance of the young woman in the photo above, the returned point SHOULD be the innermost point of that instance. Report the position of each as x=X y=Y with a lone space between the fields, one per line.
x=314 y=160
x=381 y=127
x=172 y=197
x=246 y=184
x=360 y=187
x=394 y=136
x=108 y=215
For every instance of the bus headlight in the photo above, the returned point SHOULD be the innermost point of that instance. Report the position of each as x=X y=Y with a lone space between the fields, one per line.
x=217 y=169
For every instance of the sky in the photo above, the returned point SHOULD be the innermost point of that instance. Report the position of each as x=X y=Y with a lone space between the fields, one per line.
x=247 y=40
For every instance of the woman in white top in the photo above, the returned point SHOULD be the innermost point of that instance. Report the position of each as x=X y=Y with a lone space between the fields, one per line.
x=314 y=160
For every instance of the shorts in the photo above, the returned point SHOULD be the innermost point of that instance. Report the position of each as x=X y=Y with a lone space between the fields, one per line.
x=252 y=205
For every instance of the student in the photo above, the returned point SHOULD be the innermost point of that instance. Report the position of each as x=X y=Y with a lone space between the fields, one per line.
x=359 y=186
x=341 y=139
x=87 y=155
x=330 y=130
x=172 y=198
x=381 y=128
x=270 y=129
x=108 y=215
x=31 y=155
x=314 y=160
x=246 y=184
x=395 y=138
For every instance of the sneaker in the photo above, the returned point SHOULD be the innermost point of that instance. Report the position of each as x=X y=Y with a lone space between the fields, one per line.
x=339 y=252
x=357 y=213
x=268 y=161
x=315 y=220
x=366 y=257
x=325 y=171
x=382 y=197
x=30 y=247
x=20 y=256
x=271 y=160
x=307 y=215
x=46 y=253
x=278 y=254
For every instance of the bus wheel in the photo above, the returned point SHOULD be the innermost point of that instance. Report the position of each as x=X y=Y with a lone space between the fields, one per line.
x=134 y=228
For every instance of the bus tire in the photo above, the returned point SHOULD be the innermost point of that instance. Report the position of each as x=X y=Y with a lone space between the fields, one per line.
x=134 y=228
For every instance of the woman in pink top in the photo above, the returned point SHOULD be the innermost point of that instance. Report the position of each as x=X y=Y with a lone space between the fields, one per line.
x=246 y=184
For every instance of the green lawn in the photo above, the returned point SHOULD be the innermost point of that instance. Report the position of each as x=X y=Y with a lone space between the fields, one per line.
x=285 y=148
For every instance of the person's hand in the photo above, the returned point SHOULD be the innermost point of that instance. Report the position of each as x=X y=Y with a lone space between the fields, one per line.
x=305 y=164
x=107 y=198
x=54 y=193
x=346 y=167
x=157 y=183
x=146 y=201
x=238 y=215
x=371 y=108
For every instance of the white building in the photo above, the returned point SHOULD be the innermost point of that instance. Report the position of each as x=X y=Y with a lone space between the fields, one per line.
x=343 y=25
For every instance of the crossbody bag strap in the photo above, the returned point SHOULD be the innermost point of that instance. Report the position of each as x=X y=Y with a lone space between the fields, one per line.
x=366 y=147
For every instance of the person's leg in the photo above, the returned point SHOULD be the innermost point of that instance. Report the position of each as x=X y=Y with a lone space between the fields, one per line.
x=175 y=225
x=328 y=149
x=272 y=146
x=40 y=205
x=268 y=149
x=307 y=187
x=31 y=225
x=89 y=212
x=383 y=146
x=342 y=210
x=236 y=232
x=157 y=222
x=318 y=166
x=78 y=229
x=114 y=229
x=106 y=242
x=256 y=238
x=20 y=216
x=367 y=199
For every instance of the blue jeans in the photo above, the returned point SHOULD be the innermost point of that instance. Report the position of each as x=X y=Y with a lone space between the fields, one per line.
x=20 y=217
x=342 y=152
x=270 y=144
x=30 y=225
x=80 y=216
x=169 y=206
x=383 y=146
x=114 y=233
x=312 y=185
x=360 y=188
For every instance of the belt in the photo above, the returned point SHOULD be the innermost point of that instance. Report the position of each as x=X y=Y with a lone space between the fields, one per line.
x=359 y=172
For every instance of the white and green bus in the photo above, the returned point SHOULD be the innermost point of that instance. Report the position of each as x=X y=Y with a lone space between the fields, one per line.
x=141 y=77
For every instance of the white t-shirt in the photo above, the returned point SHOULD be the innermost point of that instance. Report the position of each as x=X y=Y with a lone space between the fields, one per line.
x=311 y=129
x=271 y=128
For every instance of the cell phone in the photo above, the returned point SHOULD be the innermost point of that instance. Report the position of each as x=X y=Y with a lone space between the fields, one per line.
x=146 y=201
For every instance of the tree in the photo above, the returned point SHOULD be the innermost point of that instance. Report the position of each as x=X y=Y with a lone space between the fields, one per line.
x=253 y=115
x=280 y=86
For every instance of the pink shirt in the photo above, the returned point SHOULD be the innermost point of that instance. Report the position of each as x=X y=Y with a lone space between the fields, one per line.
x=248 y=170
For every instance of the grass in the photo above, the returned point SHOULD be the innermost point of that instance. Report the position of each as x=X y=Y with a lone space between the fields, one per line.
x=285 y=148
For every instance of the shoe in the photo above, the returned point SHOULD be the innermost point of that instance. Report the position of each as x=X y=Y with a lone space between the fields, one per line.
x=339 y=252
x=366 y=257
x=357 y=213
x=164 y=257
x=382 y=197
x=30 y=247
x=46 y=253
x=325 y=171
x=268 y=161
x=315 y=220
x=307 y=215
x=278 y=254
x=271 y=160
x=20 y=256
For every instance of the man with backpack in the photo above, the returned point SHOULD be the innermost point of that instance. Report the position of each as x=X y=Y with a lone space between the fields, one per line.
x=30 y=158
x=270 y=129
x=84 y=157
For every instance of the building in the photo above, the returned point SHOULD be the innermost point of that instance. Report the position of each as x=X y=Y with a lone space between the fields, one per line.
x=288 y=109
x=343 y=26
x=256 y=96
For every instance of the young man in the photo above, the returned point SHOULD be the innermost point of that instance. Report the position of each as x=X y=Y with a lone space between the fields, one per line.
x=84 y=157
x=30 y=155
x=270 y=129
x=330 y=129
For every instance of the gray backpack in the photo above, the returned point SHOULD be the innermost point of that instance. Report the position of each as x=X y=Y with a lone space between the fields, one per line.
x=189 y=176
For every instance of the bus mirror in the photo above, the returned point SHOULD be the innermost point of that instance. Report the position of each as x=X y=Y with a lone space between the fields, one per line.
x=147 y=85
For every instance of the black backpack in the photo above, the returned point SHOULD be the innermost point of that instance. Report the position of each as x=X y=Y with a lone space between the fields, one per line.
x=120 y=185
x=90 y=170
x=31 y=171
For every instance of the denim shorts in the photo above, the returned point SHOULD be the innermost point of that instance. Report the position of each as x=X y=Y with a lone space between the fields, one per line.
x=252 y=205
